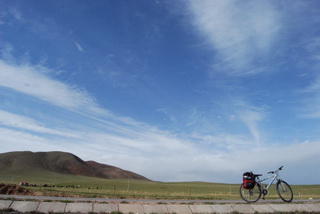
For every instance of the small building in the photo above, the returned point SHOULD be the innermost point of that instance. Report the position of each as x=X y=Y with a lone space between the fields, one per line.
x=24 y=183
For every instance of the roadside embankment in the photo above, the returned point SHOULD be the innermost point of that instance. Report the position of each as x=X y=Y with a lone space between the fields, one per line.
x=8 y=206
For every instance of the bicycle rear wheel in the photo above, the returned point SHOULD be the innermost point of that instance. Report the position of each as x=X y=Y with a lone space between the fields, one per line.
x=251 y=195
x=284 y=191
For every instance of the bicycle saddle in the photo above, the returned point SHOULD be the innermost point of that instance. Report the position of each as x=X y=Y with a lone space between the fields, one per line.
x=257 y=175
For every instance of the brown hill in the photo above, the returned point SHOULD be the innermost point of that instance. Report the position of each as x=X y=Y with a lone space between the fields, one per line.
x=61 y=162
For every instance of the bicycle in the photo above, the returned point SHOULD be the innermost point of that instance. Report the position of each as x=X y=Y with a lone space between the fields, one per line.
x=254 y=193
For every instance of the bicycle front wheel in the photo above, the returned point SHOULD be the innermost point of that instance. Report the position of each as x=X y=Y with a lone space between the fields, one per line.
x=284 y=191
x=251 y=195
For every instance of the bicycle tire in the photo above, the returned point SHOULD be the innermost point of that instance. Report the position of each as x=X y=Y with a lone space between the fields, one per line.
x=284 y=191
x=251 y=195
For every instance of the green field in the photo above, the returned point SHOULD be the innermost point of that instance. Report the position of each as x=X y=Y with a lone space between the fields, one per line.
x=80 y=186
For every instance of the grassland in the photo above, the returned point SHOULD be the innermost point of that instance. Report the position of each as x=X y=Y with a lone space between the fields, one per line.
x=81 y=186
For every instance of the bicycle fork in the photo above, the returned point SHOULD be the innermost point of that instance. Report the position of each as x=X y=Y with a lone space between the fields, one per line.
x=281 y=186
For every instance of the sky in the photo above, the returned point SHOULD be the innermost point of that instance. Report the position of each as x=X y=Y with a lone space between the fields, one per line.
x=172 y=90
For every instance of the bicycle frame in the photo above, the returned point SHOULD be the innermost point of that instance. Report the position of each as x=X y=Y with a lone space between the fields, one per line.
x=274 y=176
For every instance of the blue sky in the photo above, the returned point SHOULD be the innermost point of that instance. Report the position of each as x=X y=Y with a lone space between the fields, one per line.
x=173 y=90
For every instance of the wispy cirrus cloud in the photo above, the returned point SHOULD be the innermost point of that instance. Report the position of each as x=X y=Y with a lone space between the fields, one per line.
x=21 y=122
x=241 y=33
x=310 y=100
x=33 y=81
x=251 y=116
x=79 y=47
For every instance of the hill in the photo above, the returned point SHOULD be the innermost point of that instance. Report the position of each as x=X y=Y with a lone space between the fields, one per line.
x=62 y=163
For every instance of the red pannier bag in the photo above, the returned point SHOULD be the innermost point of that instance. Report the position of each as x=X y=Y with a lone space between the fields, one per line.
x=248 y=180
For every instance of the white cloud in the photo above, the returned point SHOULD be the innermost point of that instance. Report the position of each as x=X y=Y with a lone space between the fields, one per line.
x=314 y=87
x=169 y=159
x=79 y=47
x=251 y=119
x=12 y=140
x=135 y=146
x=226 y=166
x=250 y=116
x=240 y=32
x=32 y=81
x=223 y=142
x=16 y=14
x=29 y=124
x=310 y=99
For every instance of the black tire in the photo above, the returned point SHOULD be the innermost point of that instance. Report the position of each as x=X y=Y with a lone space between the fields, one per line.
x=251 y=195
x=284 y=191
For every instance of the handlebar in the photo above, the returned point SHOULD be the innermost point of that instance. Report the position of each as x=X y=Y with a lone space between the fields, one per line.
x=271 y=172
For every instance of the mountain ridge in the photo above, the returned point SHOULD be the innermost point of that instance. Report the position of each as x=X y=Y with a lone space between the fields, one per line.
x=63 y=163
